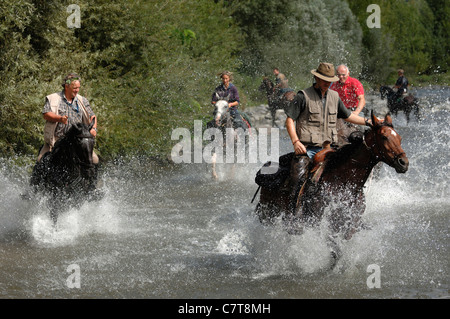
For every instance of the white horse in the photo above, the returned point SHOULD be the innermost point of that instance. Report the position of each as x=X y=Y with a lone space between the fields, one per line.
x=224 y=122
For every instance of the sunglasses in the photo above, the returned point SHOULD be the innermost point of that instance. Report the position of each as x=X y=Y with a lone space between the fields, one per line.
x=68 y=81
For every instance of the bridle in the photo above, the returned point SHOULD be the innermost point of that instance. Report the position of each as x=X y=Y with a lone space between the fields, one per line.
x=77 y=159
x=372 y=149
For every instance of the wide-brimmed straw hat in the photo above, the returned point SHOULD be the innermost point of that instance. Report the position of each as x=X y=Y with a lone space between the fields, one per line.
x=326 y=72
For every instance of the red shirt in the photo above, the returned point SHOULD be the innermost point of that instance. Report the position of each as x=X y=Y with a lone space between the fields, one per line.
x=349 y=92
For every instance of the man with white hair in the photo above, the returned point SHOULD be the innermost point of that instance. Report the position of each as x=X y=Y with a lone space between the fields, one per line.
x=64 y=109
x=351 y=92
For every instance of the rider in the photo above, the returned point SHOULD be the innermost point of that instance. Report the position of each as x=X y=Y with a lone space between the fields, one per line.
x=401 y=85
x=351 y=92
x=311 y=121
x=64 y=109
x=281 y=83
x=227 y=91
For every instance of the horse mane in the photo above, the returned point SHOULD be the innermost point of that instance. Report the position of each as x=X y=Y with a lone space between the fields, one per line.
x=345 y=152
x=63 y=143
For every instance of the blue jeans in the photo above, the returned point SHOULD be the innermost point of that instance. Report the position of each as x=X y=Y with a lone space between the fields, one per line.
x=312 y=150
x=237 y=121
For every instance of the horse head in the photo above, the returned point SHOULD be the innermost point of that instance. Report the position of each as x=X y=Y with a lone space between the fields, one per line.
x=385 y=91
x=81 y=144
x=266 y=85
x=385 y=144
x=221 y=108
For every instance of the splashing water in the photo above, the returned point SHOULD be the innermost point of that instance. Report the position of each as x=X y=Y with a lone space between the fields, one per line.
x=176 y=233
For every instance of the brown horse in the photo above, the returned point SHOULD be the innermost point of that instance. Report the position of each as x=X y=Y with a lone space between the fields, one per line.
x=336 y=180
x=274 y=99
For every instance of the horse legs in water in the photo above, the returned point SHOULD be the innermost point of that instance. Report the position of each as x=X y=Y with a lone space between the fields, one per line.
x=273 y=112
x=335 y=250
x=213 y=166
x=53 y=215
x=54 y=207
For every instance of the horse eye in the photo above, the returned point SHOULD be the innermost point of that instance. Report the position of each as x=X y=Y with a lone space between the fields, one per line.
x=384 y=138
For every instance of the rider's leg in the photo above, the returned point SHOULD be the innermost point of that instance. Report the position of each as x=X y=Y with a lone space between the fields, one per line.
x=299 y=168
x=44 y=149
x=237 y=121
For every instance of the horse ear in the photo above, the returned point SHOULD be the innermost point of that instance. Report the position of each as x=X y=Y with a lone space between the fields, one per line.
x=388 y=119
x=375 y=121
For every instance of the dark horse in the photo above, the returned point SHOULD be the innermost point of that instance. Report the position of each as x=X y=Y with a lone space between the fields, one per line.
x=335 y=183
x=67 y=175
x=396 y=103
x=273 y=97
x=223 y=122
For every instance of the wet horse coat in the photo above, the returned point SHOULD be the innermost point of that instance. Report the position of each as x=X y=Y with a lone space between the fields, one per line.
x=67 y=175
x=336 y=181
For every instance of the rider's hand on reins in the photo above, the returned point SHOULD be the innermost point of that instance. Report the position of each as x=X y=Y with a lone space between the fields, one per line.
x=299 y=148
x=64 y=119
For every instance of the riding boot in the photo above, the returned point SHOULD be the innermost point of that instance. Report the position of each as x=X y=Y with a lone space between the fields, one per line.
x=299 y=167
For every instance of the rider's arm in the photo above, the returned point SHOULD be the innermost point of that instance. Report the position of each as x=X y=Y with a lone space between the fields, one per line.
x=234 y=97
x=361 y=104
x=349 y=116
x=94 y=127
x=55 y=118
x=356 y=119
x=299 y=148
x=293 y=111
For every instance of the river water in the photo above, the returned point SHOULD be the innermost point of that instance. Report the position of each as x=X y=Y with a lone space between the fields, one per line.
x=176 y=233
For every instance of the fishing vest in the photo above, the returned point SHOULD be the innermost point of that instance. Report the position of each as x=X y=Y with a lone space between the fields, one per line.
x=50 y=127
x=317 y=123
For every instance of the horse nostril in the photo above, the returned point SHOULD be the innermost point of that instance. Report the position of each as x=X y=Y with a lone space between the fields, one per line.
x=402 y=163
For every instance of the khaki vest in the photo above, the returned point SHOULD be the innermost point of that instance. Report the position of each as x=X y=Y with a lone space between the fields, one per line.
x=50 y=127
x=317 y=124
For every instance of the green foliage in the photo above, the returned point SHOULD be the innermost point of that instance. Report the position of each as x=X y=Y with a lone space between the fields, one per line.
x=142 y=76
x=150 y=66
x=406 y=39
x=441 y=35
x=296 y=36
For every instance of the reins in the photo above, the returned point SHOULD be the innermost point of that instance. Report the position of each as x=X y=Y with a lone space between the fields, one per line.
x=377 y=157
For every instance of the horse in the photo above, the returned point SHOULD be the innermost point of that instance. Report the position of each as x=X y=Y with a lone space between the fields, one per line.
x=274 y=100
x=223 y=121
x=66 y=175
x=395 y=103
x=334 y=187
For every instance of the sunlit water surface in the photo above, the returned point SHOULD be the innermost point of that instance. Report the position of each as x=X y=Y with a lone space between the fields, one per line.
x=176 y=233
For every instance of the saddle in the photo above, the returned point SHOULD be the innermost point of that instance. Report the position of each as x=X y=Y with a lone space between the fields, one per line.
x=319 y=162
x=273 y=174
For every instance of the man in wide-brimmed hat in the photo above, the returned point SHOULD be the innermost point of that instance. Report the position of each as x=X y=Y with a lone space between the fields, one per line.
x=311 y=121
x=311 y=118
